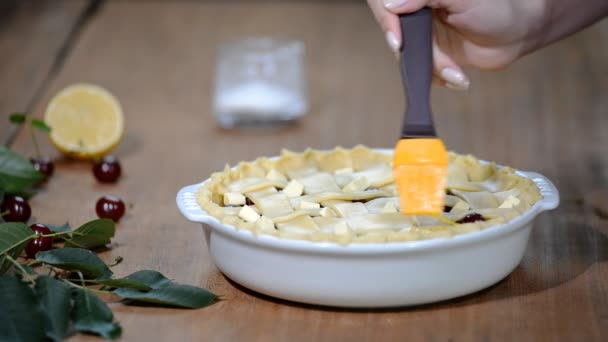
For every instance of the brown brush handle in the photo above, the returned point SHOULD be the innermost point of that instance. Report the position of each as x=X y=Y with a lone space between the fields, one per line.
x=417 y=71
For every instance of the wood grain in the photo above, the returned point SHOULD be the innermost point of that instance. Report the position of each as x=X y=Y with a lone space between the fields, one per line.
x=32 y=35
x=545 y=113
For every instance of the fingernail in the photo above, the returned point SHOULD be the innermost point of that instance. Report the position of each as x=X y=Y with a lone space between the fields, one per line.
x=455 y=79
x=392 y=4
x=392 y=41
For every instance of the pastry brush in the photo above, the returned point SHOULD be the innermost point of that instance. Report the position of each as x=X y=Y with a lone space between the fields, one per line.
x=420 y=160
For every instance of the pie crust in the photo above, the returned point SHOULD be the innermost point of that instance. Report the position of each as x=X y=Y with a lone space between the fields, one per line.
x=349 y=196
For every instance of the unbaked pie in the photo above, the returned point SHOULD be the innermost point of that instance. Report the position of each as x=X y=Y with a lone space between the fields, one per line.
x=349 y=196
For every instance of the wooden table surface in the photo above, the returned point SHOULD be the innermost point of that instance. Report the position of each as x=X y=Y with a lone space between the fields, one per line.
x=548 y=113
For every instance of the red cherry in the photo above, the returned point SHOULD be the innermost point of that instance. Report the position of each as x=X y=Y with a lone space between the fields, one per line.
x=39 y=244
x=107 y=170
x=43 y=165
x=110 y=207
x=15 y=209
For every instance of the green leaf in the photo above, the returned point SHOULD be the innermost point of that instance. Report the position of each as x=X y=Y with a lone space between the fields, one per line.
x=41 y=126
x=17 y=118
x=14 y=236
x=92 y=315
x=174 y=295
x=27 y=194
x=5 y=264
x=92 y=234
x=153 y=279
x=55 y=298
x=60 y=229
x=141 y=280
x=76 y=259
x=16 y=173
x=21 y=318
x=123 y=283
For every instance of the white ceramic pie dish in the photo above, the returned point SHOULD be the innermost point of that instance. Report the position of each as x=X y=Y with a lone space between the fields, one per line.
x=369 y=275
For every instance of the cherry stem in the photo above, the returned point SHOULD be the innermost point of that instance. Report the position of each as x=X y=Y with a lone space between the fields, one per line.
x=117 y=261
x=36 y=147
x=83 y=280
x=52 y=272
x=84 y=287
x=20 y=268
x=52 y=235
x=33 y=263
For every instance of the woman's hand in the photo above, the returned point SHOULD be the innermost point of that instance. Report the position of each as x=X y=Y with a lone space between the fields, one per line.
x=487 y=34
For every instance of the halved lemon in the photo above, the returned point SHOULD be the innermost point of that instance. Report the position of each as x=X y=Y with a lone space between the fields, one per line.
x=86 y=121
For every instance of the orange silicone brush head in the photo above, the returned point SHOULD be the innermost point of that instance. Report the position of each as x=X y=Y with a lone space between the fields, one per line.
x=420 y=168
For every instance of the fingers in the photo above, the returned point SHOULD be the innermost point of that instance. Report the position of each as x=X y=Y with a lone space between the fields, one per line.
x=447 y=71
x=389 y=23
x=406 y=6
x=386 y=12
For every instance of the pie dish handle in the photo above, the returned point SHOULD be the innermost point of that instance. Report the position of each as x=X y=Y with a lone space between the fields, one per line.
x=547 y=189
x=188 y=206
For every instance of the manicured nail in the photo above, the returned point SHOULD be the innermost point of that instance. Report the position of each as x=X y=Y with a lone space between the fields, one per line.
x=392 y=4
x=392 y=41
x=455 y=79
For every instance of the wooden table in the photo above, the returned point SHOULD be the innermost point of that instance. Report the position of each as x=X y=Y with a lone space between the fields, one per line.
x=547 y=113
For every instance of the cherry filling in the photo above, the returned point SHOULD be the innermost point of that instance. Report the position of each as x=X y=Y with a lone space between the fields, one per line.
x=470 y=218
